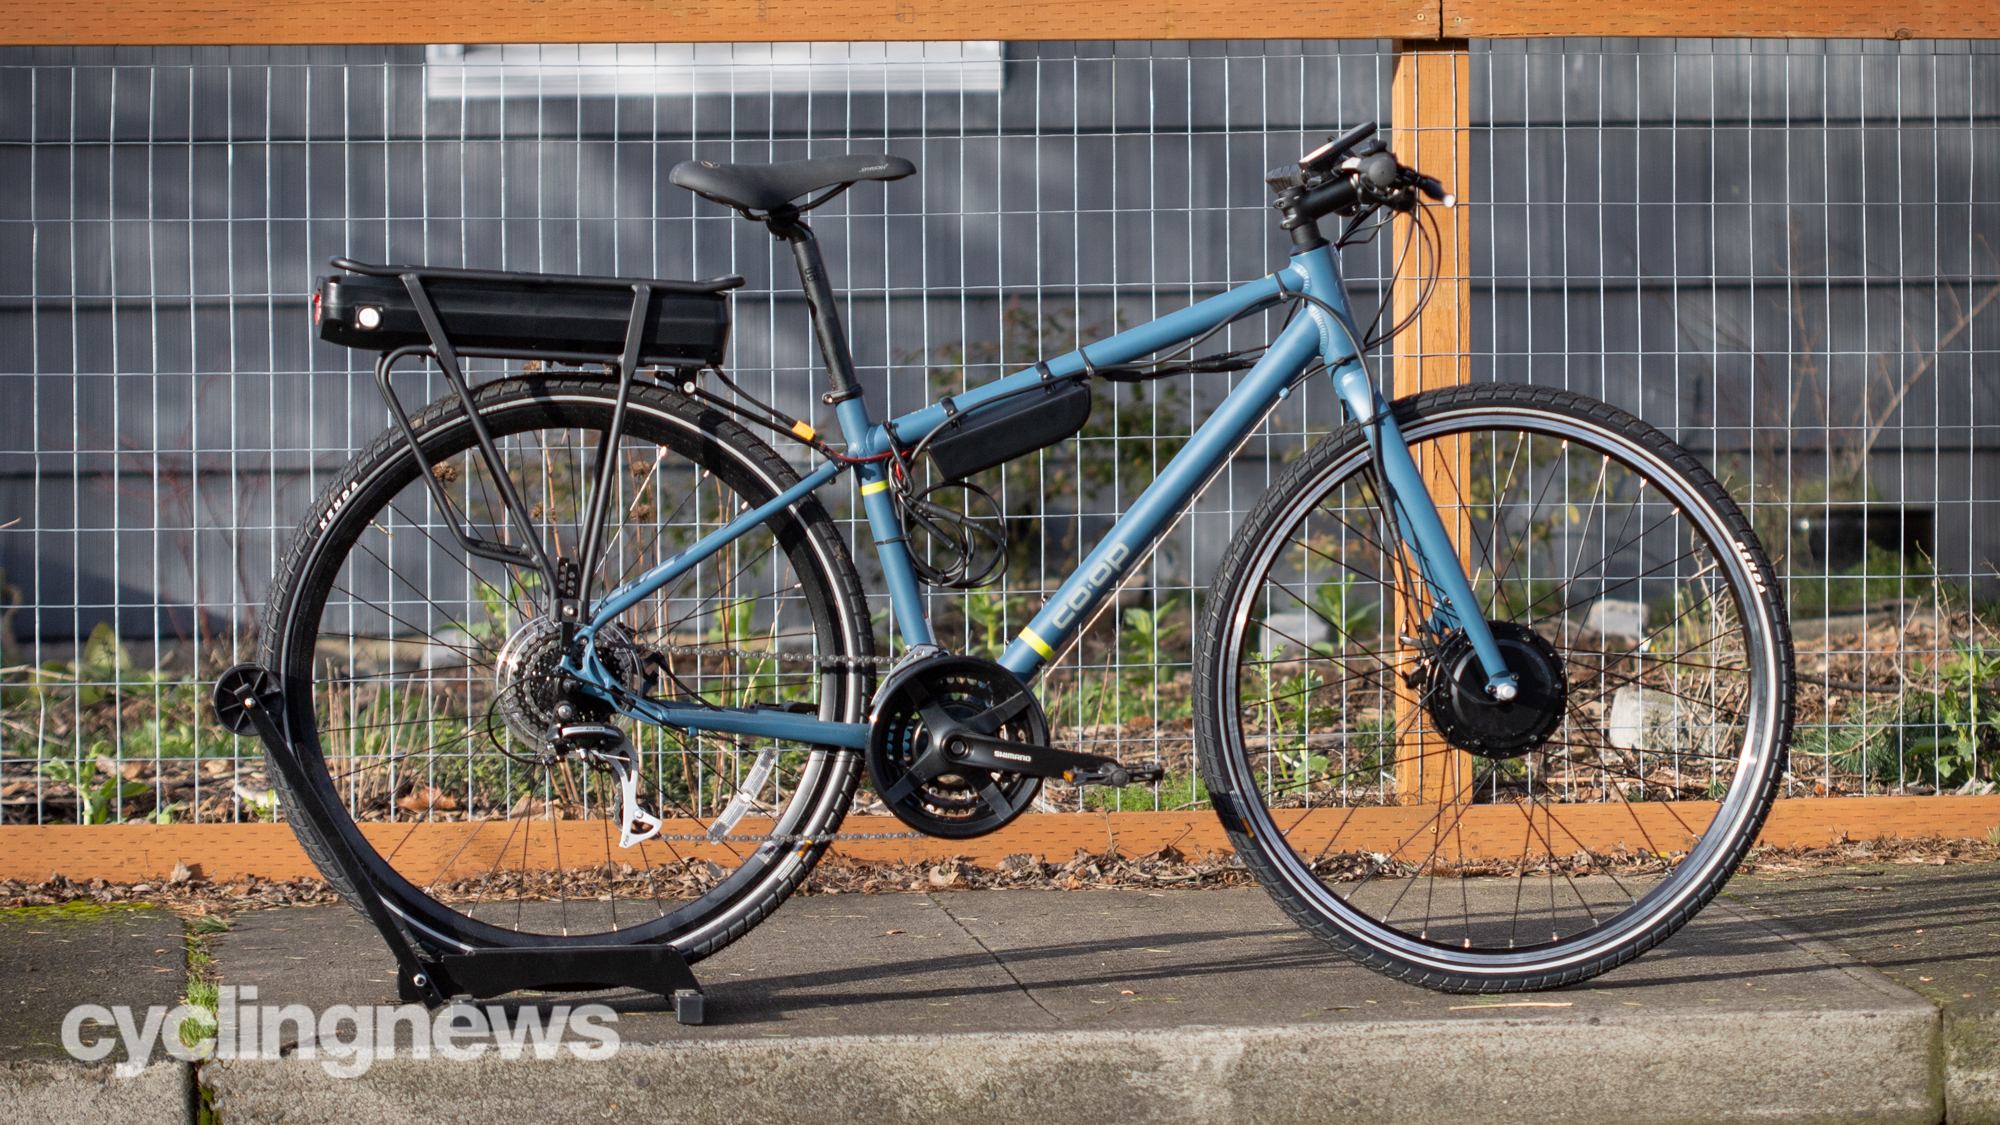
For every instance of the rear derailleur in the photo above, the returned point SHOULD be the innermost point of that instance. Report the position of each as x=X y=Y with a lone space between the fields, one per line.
x=603 y=746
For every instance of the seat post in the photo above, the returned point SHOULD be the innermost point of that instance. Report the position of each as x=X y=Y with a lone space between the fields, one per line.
x=819 y=299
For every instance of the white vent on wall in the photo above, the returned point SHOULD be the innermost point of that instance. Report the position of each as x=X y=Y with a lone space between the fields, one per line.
x=551 y=70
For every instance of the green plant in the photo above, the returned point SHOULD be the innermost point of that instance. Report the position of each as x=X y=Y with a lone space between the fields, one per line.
x=1298 y=767
x=262 y=805
x=1147 y=631
x=502 y=608
x=1175 y=791
x=1345 y=612
x=202 y=991
x=1941 y=736
x=1965 y=710
x=1883 y=575
x=988 y=611
x=96 y=800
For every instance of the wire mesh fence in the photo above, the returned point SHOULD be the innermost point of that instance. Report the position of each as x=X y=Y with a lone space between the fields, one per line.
x=1778 y=252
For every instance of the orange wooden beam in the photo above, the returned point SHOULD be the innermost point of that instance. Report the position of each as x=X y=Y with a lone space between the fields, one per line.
x=130 y=853
x=224 y=22
x=1708 y=19
x=1431 y=125
x=209 y=22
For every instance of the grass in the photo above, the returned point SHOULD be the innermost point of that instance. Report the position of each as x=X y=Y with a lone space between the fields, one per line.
x=1174 y=792
x=202 y=989
x=66 y=912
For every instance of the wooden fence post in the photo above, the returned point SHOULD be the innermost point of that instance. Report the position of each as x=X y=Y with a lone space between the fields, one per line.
x=1430 y=115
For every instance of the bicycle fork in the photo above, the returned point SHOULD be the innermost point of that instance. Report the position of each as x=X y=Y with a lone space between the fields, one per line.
x=1406 y=500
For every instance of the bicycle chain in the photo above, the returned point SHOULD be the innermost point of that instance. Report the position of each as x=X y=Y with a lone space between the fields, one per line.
x=796 y=658
x=796 y=838
x=768 y=654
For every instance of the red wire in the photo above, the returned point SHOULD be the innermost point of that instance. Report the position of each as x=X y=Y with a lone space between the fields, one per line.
x=846 y=460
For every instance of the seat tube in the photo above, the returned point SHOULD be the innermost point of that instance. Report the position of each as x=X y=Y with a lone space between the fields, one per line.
x=906 y=599
x=825 y=316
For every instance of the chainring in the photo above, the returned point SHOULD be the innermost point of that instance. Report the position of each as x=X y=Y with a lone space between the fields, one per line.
x=909 y=769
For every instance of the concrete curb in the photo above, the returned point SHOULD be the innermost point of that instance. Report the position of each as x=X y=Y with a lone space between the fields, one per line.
x=1790 y=1067
x=1971 y=1035
x=52 y=958
x=64 y=1093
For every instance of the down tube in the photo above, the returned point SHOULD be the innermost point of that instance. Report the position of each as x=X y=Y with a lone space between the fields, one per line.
x=1165 y=499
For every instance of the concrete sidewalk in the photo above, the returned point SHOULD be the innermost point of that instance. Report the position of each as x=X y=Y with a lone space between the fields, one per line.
x=1107 y=1007
x=1935 y=930
x=1129 y=1006
x=53 y=958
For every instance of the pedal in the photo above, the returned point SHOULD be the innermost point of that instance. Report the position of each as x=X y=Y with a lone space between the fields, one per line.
x=1118 y=775
x=1150 y=773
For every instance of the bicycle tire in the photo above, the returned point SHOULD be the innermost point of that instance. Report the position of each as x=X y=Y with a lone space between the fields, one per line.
x=1714 y=599
x=346 y=541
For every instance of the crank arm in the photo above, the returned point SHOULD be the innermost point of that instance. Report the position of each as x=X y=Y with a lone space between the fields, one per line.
x=966 y=748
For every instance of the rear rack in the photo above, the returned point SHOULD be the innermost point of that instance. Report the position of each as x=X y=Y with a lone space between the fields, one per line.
x=443 y=313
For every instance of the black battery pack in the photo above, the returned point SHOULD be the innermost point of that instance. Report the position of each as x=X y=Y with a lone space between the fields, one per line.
x=994 y=434
x=525 y=315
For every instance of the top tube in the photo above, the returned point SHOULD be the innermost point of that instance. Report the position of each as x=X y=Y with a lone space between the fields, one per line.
x=1131 y=344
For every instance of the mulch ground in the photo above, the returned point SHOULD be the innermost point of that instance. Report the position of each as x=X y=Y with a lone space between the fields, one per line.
x=192 y=896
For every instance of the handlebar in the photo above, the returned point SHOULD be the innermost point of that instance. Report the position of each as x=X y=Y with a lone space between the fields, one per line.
x=1328 y=181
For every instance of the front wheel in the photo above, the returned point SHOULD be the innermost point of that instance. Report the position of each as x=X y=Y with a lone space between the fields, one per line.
x=1429 y=832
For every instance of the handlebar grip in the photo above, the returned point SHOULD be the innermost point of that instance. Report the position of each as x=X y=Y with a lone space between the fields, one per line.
x=1381 y=171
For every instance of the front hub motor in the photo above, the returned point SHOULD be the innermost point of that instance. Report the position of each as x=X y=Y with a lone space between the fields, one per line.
x=914 y=762
x=1471 y=719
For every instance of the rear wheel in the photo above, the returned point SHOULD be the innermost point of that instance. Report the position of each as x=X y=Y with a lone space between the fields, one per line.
x=423 y=680
x=1399 y=813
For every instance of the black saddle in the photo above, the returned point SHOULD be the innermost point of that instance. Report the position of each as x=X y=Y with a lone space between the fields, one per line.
x=767 y=187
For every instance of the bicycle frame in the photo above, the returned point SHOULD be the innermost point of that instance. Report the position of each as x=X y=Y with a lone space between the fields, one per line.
x=1325 y=331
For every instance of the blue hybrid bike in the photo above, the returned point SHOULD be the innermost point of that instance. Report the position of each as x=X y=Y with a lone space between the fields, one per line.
x=1492 y=688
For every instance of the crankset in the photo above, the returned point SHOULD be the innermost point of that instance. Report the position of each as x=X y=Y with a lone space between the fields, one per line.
x=958 y=747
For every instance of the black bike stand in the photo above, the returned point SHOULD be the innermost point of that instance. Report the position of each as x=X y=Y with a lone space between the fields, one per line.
x=649 y=968
x=249 y=699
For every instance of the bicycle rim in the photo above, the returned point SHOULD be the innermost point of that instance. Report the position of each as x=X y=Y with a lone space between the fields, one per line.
x=1403 y=839
x=427 y=680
